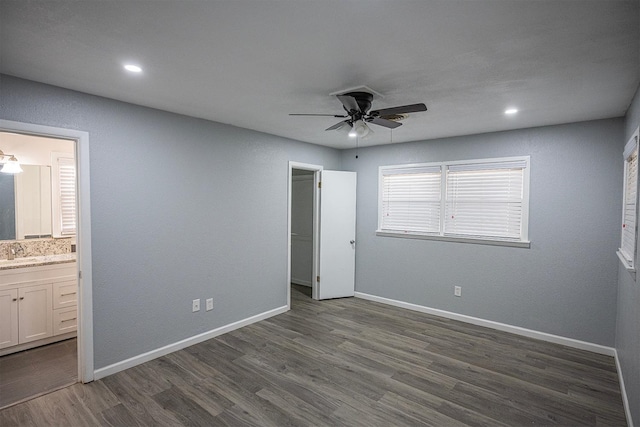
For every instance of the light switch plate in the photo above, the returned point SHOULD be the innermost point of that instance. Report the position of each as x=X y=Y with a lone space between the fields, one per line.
x=196 y=305
x=209 y=304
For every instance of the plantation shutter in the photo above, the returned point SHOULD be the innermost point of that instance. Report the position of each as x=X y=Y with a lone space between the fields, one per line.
x=411 y=199
x=67 y=189
x=629 y=216
x=485 y=200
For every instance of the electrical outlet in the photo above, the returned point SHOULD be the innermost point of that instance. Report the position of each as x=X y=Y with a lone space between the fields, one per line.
x=209 y=304
x=457 y=291
x=196 y=305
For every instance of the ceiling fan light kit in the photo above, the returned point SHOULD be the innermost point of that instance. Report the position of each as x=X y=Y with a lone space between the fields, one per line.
x=357 y=105
x=359 y=129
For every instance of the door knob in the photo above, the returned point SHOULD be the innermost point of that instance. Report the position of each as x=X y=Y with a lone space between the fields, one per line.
x=352 y=242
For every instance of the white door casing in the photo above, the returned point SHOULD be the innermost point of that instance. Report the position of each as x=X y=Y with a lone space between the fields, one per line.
x=337 y=234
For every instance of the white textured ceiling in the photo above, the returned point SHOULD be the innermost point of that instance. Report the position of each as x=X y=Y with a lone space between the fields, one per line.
x=251 y=62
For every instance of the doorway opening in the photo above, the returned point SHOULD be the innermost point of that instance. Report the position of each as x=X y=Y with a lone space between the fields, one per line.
x=303 y=229
x=333 y=230
x=62 y=353
x=302 y=239
x=38 y=351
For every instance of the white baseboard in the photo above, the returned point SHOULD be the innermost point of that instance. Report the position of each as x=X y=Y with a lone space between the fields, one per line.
x=301 y=282
x=623 y=391
x=569 y=342
x=154 y=354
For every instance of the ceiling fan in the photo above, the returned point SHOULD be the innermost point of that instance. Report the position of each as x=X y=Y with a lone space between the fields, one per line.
x=357 y=106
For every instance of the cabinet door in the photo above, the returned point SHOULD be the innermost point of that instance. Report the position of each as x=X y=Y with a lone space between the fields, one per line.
x=35 y=313
x=8 y=317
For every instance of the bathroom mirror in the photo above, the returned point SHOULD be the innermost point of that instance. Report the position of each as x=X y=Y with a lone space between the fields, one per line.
x=7 y=207
x=25 y=204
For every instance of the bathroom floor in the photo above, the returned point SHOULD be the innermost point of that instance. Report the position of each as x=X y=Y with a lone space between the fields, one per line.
x=37 y=371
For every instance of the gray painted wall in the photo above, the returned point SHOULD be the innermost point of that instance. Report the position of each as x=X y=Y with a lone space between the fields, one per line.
x=182 y=208
x=565 y=284
x=628 y=324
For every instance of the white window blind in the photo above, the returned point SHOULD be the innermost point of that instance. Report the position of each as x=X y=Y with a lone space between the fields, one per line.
x=629 y=207
x=485 y=200
x=64 y=194
x=472 y=200
x=67 y=176
x=411 y=199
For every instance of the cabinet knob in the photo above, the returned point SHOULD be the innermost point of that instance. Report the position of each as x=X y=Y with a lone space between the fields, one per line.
x=15 y=299
x=21 y=298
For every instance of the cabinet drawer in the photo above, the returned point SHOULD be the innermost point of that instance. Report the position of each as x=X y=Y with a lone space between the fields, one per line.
x=65 y=294
x=65 y=320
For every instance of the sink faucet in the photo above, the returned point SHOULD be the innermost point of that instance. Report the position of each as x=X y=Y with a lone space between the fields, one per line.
x=11 y=253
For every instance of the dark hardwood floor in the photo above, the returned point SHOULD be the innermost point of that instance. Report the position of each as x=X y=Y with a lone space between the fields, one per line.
x=37 y=371
x=347 y=362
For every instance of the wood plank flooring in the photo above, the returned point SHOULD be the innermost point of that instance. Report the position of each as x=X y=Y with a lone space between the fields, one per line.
x=347 y=362
x=37 y=371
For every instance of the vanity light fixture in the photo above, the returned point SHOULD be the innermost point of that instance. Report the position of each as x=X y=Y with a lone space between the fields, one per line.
x=11 y=164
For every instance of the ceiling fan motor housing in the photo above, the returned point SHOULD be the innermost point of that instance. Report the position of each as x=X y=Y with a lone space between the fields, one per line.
x=363 y=99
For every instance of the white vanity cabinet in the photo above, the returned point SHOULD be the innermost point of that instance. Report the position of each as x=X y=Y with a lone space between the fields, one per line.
x=38 y=305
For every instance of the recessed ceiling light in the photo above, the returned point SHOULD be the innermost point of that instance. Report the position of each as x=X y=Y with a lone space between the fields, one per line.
x=133 y=68
x=510 y=111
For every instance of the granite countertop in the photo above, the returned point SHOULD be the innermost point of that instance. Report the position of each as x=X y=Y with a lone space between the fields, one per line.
x=34 y=261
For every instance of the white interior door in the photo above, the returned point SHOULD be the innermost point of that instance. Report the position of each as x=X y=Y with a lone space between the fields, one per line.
x=337 y=235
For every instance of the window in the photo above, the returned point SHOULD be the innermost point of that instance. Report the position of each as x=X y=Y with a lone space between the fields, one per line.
x=627 y=251
x=483 y=201
x=411 y=199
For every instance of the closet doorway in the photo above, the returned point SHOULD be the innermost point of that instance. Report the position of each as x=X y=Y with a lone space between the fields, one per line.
x=302 y=230
x=326 y=205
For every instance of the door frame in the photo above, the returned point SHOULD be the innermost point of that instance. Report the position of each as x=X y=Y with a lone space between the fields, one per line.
x=316 y=169
x=83 y=234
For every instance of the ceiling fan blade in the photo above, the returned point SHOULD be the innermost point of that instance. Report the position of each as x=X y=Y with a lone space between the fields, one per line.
x=384 y=122
x=338 y=125
x=349 y=102
x=321 y=115
x=413 y=108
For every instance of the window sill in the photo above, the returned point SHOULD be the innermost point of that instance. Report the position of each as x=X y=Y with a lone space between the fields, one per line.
x=625 y=263
x=477 y=241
